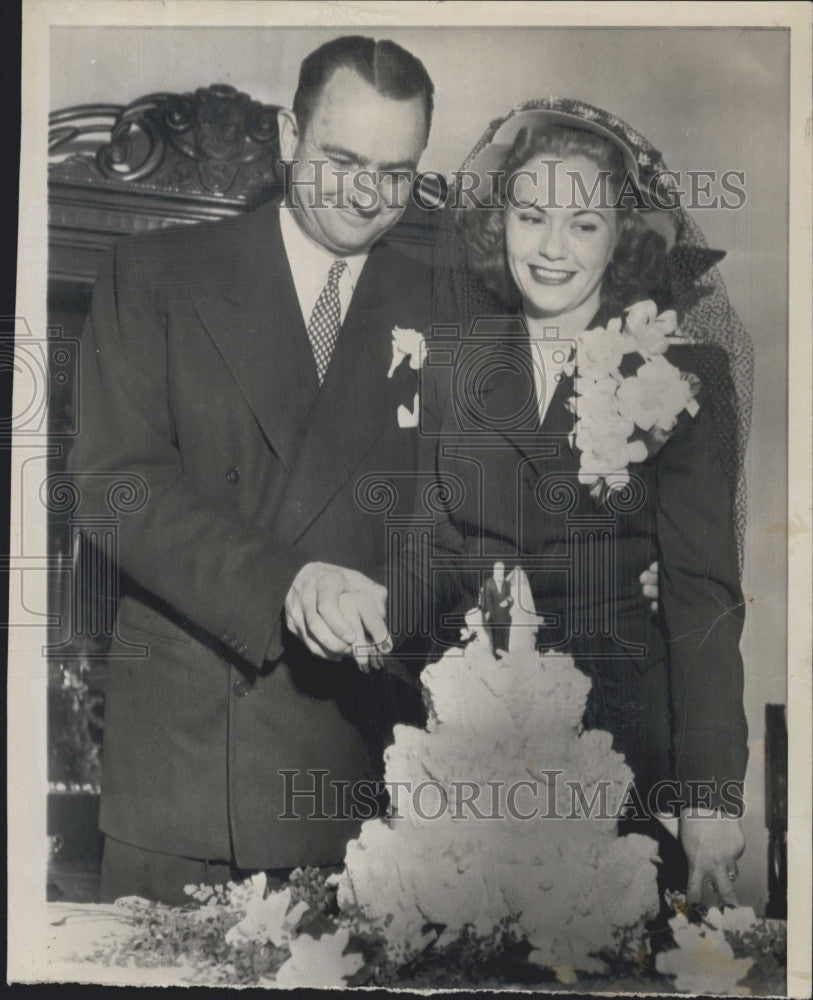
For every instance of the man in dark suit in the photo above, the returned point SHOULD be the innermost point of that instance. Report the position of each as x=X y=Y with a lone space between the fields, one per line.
x=240 y=370
x=496 y=602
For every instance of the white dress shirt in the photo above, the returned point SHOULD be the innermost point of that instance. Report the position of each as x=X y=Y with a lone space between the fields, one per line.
x=310 y=264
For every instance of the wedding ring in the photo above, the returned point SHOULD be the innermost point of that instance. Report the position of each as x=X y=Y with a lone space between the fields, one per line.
x=733 y=875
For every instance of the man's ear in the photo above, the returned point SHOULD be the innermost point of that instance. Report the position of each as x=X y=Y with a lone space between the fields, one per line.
x=288 y=133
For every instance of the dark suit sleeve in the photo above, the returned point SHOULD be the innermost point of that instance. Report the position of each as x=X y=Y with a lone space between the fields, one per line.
x=446 y=539
x=435 y=592
x=702 y=605
x=488 y=598
x=208 y=564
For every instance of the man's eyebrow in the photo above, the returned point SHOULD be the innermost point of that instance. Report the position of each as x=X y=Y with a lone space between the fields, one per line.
x=341 y=151
x=348 y=154
x=356 y=158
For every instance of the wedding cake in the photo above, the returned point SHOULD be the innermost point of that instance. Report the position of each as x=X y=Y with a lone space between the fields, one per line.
x=499 y=847
x=503 y=809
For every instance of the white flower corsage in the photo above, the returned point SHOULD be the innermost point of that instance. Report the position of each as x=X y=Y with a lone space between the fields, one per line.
x=703 y=959
x=624 y=419
x=412 y=345
x=271 y=917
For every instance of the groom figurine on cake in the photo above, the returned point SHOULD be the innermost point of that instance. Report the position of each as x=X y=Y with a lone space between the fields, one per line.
x=240 y=370
x=496 y=602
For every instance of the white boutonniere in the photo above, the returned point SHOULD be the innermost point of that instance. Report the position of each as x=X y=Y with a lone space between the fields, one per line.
x=624 y=419
x=407 y=344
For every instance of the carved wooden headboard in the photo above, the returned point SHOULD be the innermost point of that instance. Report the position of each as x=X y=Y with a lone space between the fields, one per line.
x=166 y=159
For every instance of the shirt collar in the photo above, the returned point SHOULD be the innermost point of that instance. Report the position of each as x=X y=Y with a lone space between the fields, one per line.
x=306 y=252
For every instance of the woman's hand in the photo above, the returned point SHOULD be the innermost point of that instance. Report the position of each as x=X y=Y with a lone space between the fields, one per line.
x=713 y=842
x=649 y=585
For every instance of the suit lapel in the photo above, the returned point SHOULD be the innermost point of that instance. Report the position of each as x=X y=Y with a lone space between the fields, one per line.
x=352 y=407
x=504 y=398
x=559 y=419
x=258 y=328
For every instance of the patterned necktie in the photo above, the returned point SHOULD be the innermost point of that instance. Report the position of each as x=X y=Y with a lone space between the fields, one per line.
x=325 y=321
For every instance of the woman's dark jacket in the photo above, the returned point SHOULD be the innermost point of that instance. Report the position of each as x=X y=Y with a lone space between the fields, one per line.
x=669 y=686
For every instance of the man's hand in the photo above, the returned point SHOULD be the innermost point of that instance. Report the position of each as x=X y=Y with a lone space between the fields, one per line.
x=329 y=624
x=372 y=640
x=649 y=582
x=712 y=843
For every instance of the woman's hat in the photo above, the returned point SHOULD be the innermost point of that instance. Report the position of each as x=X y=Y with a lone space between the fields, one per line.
x=643 y=163
x=493 y=154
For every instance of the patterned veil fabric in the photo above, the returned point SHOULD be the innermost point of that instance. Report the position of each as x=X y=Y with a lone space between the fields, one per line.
x=693 y=288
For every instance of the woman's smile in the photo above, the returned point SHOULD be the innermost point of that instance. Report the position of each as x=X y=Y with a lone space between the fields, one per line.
x=549 y=276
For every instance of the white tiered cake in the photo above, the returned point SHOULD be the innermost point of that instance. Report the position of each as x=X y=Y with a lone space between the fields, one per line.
x=463 y=845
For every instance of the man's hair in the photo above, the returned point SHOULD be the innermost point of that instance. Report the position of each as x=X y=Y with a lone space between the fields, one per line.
x=393 y=72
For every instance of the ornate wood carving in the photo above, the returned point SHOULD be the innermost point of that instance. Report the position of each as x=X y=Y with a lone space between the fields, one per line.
x=166 y=159
x=215 y=141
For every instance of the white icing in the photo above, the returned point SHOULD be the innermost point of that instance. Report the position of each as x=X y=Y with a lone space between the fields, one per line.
x=570 y=883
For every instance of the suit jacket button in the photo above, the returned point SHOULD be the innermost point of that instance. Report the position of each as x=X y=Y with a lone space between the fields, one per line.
x=233 y=475
x=241 y=688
